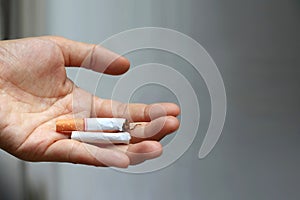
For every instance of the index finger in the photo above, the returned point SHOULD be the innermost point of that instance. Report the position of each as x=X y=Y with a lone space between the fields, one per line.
x=91 y=56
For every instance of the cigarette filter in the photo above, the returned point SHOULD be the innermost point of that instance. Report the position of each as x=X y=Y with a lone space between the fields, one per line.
x=101 y=137
x=91 y=124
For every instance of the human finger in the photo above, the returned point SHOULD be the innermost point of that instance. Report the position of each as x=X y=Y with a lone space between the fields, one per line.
x=134 y=112
x=91 y=56
x=140 y=152
x=154 y=130
x=73 y=151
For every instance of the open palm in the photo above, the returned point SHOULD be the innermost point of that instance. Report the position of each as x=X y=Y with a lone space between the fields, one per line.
x=35 y=92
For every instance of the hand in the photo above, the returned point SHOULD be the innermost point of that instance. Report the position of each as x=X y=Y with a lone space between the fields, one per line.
x=35 y=92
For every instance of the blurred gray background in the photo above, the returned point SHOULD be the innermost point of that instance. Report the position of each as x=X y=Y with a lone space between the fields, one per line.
x=256 y=46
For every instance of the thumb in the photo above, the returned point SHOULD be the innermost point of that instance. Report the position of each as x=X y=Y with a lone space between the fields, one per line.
x=91 y=56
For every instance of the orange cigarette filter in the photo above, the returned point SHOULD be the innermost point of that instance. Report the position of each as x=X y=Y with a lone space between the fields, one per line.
x=70 y=125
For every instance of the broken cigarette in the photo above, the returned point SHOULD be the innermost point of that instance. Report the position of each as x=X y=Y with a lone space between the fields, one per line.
x=101 y=137
x=98 y=130
x=91 y=124
x=96 y=124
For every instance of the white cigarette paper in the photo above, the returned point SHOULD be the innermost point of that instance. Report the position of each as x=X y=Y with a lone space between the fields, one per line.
x=101 y=137
x=104 y=124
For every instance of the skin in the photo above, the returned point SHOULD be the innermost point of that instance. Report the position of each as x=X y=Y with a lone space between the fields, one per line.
x=35 y=92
